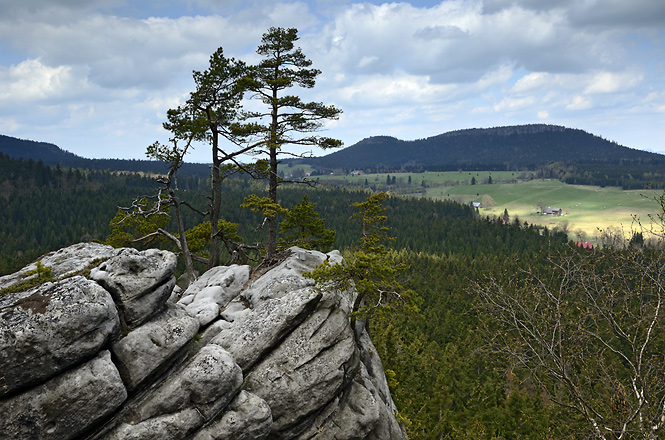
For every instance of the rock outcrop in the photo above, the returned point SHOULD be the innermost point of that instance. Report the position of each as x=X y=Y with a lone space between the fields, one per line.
x=117 y=354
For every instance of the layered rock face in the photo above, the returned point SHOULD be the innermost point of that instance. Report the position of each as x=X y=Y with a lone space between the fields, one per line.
x=122 y=354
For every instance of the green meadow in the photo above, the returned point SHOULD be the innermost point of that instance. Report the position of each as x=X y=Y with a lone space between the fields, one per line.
x=586 y=209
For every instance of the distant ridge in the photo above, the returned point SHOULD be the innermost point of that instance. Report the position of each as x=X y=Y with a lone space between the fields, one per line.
x=52 y=155
x=518 y=146
x=48 y=153
x=508 y=147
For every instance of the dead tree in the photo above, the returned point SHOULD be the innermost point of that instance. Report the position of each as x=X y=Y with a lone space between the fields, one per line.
x=591 y=334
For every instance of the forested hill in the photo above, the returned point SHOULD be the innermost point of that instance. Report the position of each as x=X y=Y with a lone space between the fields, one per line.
x=522 y=146
x=52 y=155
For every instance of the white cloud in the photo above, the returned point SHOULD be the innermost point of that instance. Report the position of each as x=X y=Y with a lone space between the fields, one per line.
x=8 y=125
x=579 y=103
x=109 y=69
x=534 y=81
x=513 y=104
x=31 y=81
x=400 y=88
x=609 y=82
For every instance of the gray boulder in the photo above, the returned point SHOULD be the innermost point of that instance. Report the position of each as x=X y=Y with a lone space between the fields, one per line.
x=255 y=333
x=66 y=406
x=63 y=262
x=247 y=417
x=213 y=290
x=374 y=371
x=352 y=415
x=182 y=401
x=50 y=328
x=140 y=282
x=147 y=348
x=308 y=369
x=208 y=383
x=287 y=276
x=277 y=358
x=170 y=426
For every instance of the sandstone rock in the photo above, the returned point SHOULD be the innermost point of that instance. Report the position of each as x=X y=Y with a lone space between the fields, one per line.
x=287 y=276
x=148 y=347
x=168 y=427
x=67 y=405
x=207 y=383
x=309 y=368
x=140 y=282
x=234 y=310
x=374 y=369
x=307 y=374
x=63 y=262
x=213 y=330
x=255 y=333
x=385 y=426
x=352 y=416
x=214 y=290
x=51 y=328
x=248 y=417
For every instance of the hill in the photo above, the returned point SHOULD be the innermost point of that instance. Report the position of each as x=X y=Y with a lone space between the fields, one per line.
x=501 y=148
x=48 y=153
x=52 y=155
x=512 y=147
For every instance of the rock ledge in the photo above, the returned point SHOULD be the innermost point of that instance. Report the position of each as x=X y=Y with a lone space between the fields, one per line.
x=118 y=356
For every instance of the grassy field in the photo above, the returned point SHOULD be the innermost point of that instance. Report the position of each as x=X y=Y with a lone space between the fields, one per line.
x=585 y=208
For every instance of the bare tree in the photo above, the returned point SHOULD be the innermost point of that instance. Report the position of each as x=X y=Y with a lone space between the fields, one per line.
x=582 y=235
x=174 y=156
x=591 y=334
x=611 y=237
x=155 y=213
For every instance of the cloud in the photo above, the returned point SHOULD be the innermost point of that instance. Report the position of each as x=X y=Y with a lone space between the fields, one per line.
x=8 y=125
x=513 y=104
x=594 y=13
x=31 y=81
x=609 y=82
x=403 y=68
x=579 y=103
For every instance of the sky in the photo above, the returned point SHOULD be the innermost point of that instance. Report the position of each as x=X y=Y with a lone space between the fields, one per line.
x=96 y=77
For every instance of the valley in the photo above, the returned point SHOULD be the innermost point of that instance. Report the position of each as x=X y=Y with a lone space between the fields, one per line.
x=586 y=209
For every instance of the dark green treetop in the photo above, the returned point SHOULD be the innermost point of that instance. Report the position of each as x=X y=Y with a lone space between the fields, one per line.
x=304 y=228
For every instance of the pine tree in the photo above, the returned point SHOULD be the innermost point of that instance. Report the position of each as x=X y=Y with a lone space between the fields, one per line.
x=287 y=119
x=302 y=227
x=372 y=269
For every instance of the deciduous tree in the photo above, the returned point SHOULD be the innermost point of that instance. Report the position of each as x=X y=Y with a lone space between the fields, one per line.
x=590 y=334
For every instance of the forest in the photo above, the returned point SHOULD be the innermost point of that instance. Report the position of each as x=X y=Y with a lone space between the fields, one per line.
x=501 y=148
x=447 y=379
x=442 y=384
